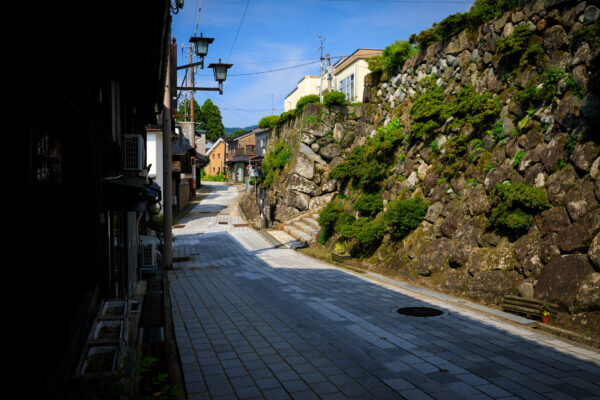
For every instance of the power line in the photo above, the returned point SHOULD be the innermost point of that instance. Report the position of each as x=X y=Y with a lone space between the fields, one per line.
x=238 y=30
x=290 y=67
x=198 y=18
x=268 y=71
x=400 y=1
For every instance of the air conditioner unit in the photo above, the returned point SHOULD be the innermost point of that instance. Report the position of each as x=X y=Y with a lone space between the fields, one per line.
x=133 y=153
x=149 y=252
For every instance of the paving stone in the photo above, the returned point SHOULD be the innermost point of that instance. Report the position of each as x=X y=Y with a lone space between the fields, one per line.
x=249 y=315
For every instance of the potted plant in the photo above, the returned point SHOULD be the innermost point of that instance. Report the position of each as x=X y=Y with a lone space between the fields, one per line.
x=545 y=313
x=340 y=252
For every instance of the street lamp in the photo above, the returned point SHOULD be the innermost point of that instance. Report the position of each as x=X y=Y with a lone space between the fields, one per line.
x=220 y=69
x=200 y=44
x=220 y=72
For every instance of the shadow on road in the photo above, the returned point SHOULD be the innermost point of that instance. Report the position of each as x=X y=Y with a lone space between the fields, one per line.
x=252 y=311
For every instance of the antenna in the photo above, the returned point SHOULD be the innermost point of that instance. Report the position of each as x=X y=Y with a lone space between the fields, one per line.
x=322 y=39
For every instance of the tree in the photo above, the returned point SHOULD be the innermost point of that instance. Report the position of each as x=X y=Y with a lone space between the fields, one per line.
x=183 y=111
x=213 y=123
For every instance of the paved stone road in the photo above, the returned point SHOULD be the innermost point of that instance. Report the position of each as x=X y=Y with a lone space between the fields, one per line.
x=253 y=320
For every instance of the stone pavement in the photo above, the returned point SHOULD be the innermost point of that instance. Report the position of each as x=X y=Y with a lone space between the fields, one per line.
x=254 y=320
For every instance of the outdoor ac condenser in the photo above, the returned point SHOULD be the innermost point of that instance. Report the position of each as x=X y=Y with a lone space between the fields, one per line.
x=148 y=252
x=133 y=153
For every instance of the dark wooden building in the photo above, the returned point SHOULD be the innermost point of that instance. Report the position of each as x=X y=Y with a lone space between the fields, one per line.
x=88 y=75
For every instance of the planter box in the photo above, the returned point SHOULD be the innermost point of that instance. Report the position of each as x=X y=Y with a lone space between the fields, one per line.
x=113 y=309
x=109 y=331
x=340 y=257
x=98 y=359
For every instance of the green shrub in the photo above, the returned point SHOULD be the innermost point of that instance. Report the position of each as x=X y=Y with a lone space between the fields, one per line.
x=519 y=50
x=514 y=206
x=334 y=98
x=367 y=166
x=515 y=45
x=589 y=32
x=327 y=220
x=480 y=12
x=534 y=97
x=369 y=232
x=431 y=110
x=274 y=161
x=268 y=122
x=402 y=216
x=286 y=116
x=392 y=57
x=453 y=159
x=304 y=100
x=369 y=204
x=518 y=158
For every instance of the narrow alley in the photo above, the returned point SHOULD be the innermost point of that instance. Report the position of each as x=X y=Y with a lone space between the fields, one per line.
x=257 y=320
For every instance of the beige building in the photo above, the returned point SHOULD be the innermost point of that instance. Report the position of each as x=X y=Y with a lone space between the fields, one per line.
x=309 y=84
x=349 y=73
x=348 y=76
x=216 y=156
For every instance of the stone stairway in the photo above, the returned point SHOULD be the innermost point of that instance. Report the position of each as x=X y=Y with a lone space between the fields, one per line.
x=298 y=231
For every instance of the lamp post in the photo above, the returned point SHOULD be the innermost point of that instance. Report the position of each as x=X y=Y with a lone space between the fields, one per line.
x=220 y=72
x=220 y=69
x=200 y=44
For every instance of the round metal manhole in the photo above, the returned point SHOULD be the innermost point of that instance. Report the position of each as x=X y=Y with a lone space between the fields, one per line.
x=420 y=311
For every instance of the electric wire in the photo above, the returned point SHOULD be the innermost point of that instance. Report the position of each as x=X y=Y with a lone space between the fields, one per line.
x=238 y=30
x=400 y=1
x=290 y=67
x=198 y=18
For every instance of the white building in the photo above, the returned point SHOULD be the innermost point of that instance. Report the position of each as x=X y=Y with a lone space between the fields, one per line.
x=348 y=76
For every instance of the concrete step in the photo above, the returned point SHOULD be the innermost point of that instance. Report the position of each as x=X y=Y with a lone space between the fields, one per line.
x=286 y=239
x=309 y=229
x=298 y=234
x=312 y=222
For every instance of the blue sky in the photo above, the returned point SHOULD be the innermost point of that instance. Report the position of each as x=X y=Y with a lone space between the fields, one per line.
x=264 y=35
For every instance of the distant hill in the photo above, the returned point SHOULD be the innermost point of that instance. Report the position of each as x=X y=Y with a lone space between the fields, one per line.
x=229 y=131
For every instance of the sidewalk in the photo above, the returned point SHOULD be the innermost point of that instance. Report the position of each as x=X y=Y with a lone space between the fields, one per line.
x=257 y=320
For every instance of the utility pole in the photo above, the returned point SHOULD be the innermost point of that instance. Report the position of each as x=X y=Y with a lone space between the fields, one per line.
x=329 y=72
x=171 y=82
x=191 y=92
x=322 y=39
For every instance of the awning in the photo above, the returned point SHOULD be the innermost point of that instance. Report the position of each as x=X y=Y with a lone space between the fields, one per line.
x=129 y=193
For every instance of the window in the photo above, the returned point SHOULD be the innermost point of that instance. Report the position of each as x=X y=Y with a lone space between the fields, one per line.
x=347 y=87
x=219 y=155
x=249 y=149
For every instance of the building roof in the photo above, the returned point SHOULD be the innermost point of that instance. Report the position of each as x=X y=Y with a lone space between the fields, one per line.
x=181 y=146
x=359 y=54
x=252 y=132
x=214 y=146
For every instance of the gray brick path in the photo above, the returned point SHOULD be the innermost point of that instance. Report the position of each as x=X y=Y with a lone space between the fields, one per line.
x=256 y=321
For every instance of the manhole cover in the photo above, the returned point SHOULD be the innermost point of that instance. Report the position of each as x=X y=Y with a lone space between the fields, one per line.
x=420 y=311
x=223 y=223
